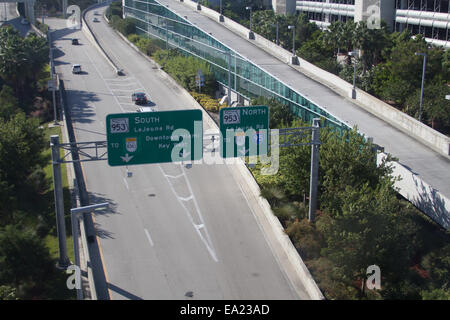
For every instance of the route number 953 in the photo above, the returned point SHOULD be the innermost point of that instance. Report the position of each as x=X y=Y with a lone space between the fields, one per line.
x=119 y=125
x=231 y=117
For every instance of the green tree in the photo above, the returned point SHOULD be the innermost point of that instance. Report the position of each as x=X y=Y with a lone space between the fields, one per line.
x=24 y=259
x=401 y=75
x=21 y=146
x=341 y=36
x=184 y=69
x=7 y=293
x=435 y=294
x=280 y=114
x=371 y=43
x=435 y=108
x=13 y=59
x=21 y=61
x=317 y=51
x=437 y=264
x=8 y=103
x=368 y=229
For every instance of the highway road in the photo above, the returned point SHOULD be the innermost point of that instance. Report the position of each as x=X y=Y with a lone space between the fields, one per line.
x=172 y=232
x=8 y=15
x=423 y=161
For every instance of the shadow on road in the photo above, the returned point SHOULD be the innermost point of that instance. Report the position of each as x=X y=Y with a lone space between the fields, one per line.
x=61 y=34
x=80 y=109
x=432 y=203
x=96 y=198
x=123 y=293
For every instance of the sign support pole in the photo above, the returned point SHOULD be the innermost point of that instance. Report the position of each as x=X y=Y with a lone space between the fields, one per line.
x=314 y=169
x=229 y=78
x=63 y=261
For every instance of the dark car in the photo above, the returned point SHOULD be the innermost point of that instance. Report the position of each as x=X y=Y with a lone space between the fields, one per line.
x=75 y=41
x=139 y=98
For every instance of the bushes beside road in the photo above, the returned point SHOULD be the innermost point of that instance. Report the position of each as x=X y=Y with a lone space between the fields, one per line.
x=27 y=217
x=360 y=222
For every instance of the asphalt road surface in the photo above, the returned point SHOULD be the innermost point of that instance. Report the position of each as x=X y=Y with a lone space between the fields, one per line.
x=172 y=232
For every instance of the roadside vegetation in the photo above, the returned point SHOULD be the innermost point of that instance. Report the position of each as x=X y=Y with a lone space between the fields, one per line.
x=387 y=67
x=27 y=218
x=361 y=219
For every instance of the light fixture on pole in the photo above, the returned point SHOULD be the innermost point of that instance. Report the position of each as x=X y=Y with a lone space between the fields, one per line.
x=221 y=19
x=251 y=35
x=293 y=38
x=294 y=57
x=354 y=54
x=423 y=81
x=276 y=32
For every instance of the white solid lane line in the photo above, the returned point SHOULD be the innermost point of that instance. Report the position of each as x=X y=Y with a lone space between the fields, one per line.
x=148 y=237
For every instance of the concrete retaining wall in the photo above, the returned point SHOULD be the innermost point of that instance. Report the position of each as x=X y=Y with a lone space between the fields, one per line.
x=407 y=124
x=421 y=194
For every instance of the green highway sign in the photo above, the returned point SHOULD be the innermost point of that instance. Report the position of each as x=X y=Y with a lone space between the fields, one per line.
x=154 y=137
x=244 y=131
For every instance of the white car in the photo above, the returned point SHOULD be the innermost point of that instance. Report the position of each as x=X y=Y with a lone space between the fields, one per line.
x=76 y=68
x=146 y=109
x=95 y=19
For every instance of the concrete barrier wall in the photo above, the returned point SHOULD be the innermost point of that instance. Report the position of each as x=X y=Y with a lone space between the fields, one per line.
x=400 y=120
x=90 y=35
x=426 y=135
x=422 y=195
x=37 y=31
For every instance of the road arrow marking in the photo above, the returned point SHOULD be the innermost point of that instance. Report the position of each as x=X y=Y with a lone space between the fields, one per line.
x=127 y=158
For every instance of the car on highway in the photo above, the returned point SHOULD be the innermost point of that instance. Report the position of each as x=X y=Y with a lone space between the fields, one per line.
x=76 y=68
x=145 y=109
x=139 y=98
x=24 y=21
x=95 y=13
x=95 y=19
x=75 y=41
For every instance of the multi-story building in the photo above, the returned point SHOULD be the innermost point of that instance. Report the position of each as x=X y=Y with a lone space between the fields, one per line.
x=428 y=17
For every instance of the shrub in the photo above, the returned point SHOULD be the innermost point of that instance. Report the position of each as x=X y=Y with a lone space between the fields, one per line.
x=207 y=102
x=134 y=38
x=305 y=238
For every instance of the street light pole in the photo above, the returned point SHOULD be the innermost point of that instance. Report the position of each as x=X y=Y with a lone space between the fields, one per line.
x=293 y=39
x=229 y=78
x=276 y=35
x=423 y=81
x=314 y=180
x=55 y=121
x=251 y=36
x=63 y=261
x=354 y=54
x=294 y=57
x=221 y=15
